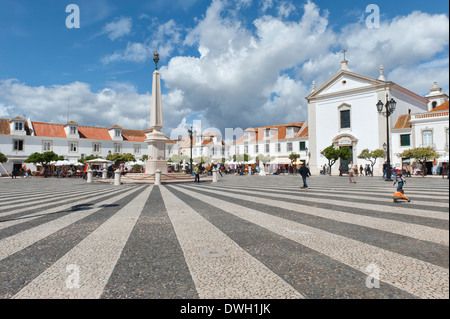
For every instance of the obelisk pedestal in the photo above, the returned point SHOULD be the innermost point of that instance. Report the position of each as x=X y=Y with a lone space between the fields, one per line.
x=156 y=153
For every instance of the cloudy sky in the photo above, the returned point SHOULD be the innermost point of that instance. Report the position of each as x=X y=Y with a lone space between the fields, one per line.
x=230 y=63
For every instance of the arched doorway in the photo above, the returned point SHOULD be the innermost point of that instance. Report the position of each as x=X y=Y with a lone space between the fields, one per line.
x=346 y=140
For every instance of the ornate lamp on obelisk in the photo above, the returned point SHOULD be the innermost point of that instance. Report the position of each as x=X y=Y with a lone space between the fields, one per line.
x=156 y=140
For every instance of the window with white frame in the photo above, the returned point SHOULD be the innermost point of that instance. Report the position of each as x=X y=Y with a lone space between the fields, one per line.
x=47 y=146
x=96 y=147
x=246 y=149
x=73 y=130
x=427 y=138
x=267 y=133
x=256 y=149
x=137 y=149
x=73 y=147
x=18 y=145
x=267 y=148
x=278 y=147
x=289 y=146
x=117 y=133
x=345 y=118
x=18 y=126
x=118 y=148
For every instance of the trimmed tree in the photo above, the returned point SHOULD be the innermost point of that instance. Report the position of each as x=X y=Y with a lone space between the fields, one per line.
x=3 y=158
x=117 y=158
x=293 y=157
x=421 y=155
x=371 y=156
x=333 y=154
x=43 y=158
x=263 y=158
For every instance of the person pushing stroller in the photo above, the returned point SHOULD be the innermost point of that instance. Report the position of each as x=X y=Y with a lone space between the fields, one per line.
x=400 y=194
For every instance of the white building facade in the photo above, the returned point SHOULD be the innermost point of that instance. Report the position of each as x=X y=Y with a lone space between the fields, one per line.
x=19 y=138
x=342 y=112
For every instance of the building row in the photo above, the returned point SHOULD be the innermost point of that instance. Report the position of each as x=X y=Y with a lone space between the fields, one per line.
x=341 y=112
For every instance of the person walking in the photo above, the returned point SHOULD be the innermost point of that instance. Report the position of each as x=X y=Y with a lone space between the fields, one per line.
x=351 y=172
x=304 y=172
x=385 y=169
x=197 y=174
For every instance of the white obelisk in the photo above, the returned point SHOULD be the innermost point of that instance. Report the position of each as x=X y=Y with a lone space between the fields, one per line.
x=156 y=140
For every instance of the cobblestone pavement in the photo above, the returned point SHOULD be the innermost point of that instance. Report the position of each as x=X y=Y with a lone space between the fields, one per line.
x=244 y=237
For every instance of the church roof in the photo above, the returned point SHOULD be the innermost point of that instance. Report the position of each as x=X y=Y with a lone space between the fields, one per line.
x=440 y=108
x=403 y=122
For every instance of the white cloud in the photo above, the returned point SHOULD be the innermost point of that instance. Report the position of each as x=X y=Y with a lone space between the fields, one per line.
x=118 y=28
x=165 y=39
x=117 y=104
x=247 y=76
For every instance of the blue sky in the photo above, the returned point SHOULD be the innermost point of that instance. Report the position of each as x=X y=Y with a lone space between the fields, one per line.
x=238 y=63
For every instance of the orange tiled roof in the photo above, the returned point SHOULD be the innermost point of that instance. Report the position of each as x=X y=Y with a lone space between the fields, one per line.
x=94 y=133
x=134 y=135
x=403 y=122
x=280 y=135
x=5 y=127
x=442 y=107
x=304 y=133
x=48 y=129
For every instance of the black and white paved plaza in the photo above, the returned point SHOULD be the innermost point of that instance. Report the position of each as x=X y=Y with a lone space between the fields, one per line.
x=241 y=238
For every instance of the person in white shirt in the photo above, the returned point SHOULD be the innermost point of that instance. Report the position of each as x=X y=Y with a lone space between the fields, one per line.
x=351 y=172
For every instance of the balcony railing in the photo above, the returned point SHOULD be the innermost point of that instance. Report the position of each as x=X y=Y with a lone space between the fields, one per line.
x=428 y=115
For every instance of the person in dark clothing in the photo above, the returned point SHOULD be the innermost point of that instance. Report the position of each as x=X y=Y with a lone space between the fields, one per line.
x=304 y=172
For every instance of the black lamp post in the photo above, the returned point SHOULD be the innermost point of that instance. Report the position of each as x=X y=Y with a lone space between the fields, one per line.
x=389 y=108
x=190 y=136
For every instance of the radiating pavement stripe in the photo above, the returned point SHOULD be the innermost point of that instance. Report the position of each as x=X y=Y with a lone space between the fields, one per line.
x=366 y=197
x=302 y=196
x=31 y=261
x=414 y=276
x=45 y=199
x=19 y=241
x=36 y=195
x=59 y=199
x=152 y=264
x=219 y=267
x=93 y=259
x=439 y=236
x=423 y=250
x=31 y=214
x=310 y=272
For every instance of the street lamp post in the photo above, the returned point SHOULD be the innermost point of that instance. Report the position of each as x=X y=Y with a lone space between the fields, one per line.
x=190 y=136
x=389 y=108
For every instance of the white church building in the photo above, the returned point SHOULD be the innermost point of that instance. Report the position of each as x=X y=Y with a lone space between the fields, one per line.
x=342 y=112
